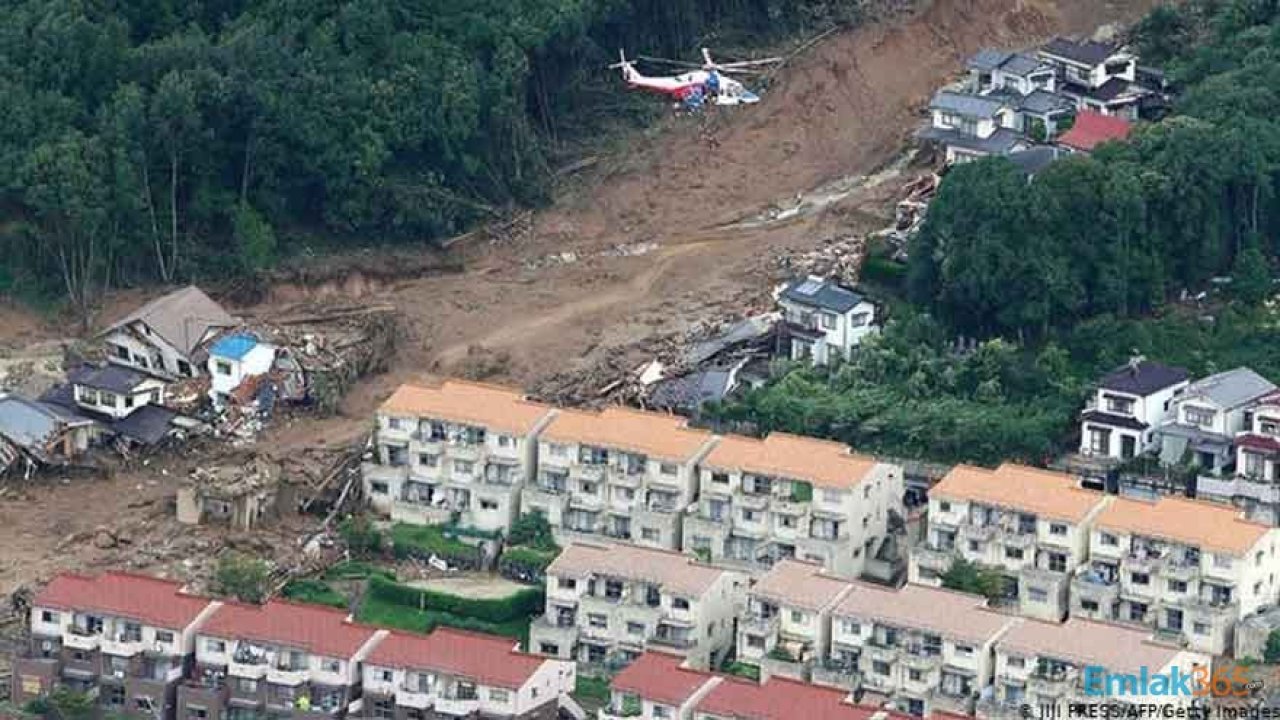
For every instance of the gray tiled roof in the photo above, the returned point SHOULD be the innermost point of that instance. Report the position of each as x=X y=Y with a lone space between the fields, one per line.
x=987 y=59
x=182 y=318
x=966 y=104
x=1231 y=388
x=1042 y=102
x=1143 y=378
x=1022 y=65
x=821 y=293
x=1087 y=52
x=1001 y=142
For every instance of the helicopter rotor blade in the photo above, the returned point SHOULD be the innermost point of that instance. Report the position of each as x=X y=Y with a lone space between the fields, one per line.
x=667 y=61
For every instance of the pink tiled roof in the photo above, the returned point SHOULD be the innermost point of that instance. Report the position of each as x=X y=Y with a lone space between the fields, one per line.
x=783 y=699
x=658 y=677
x=486 y=659
x=148 y=600
x=1092 y=129
x=314 y=628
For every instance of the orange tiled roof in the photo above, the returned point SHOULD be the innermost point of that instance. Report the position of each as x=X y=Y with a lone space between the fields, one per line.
x=1043 y=492
x=490 y=406
x=655 y=434
x=1216 y=527
x=821 y=462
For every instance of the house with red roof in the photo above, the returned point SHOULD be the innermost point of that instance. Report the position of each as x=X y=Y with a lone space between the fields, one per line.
x=459 y=673
x=657 y=685
x=124 y=638
x=282 y=658
x=1091 y=129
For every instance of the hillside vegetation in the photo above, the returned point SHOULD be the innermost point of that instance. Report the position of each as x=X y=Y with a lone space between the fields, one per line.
x=160 y=140
x=1063 y=279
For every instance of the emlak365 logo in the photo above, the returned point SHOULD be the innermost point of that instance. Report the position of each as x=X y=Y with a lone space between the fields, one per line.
x=1176 y=682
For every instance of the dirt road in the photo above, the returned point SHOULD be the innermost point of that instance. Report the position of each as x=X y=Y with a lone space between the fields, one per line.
x=843 y=108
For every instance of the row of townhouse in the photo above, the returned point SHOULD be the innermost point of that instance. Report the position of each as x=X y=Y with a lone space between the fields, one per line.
x=1190 y=570
x=481 y=455
x=143 y=647
x=917 y=652
x=1226 y=425
x=607 y=603
x=1010 y=102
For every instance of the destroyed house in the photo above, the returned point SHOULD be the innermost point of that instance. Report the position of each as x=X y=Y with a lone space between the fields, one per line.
x=233 y=360
x=125 y=403
x=457 y=673
x=459 y=448
x=165 y=336
x=123 y=639
x=823 y=320
x=41 y=432
x=283 y=659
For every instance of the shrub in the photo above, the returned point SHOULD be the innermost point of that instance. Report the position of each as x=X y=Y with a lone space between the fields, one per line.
x=524 y=564
x=423 y=541
x=972 y=578
x=532 y=530
x=242 y=576
x=1271 y=653
x=592 y=688
x=743 y=670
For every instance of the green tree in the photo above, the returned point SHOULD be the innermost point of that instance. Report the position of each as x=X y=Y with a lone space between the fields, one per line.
x=1251 y=277
x=242 y=576
x=255 y=240
x=362 y=538
x=1271 y=653
x=972 y=578
x=532 y=530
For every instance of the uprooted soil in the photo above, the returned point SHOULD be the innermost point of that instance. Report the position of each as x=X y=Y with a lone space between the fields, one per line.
x=843 y=108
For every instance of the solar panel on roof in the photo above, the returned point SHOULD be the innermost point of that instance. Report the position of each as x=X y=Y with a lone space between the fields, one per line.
x=809 y=287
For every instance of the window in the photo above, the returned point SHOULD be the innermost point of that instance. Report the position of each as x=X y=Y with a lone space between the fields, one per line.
x=786 y=521
x=215 y=646
x=49 y=616
x=128 y=401
x=184 y=369
x=1108 y=539
x=679 y=603
x=832 y=496
x=565 y=583
x=1140 y=578
x=650 y=534
x=755 y=641
x=974 y=546
x=668 y=468
x=428 y=460
x=915 y=675
x=106 y=399
x=1057 y=562
x=1037 y=595
x=635 y=628
x=395 y=423
x=880 y=667
x=964 y=650
x=557 y=449
x=661 y=711
x=195 y=712
x=463 y=467
x=385 y=674
x=1178 y=586
x=549 y=648
x=505 y=441
x=1221 y=561
x=749 y=515
x=1200 y=628
x=828 y=320
x=488 y=504
x=121 y=351
x=797 y=616
x=851 y=627
x=1089 y=605
x=597 y=620
x=1013 y=553
x=498 y=696
x=222 y=367
x=1058 y=529
x=1253 y=464
x=1119 y=405
x=384 y=708
x=378 y=487
x=944 y=506
x=112 y=695
x=332 y=666
x=1137 y=612
x=1198 y=416
x=720 y=478
x=1016 y=661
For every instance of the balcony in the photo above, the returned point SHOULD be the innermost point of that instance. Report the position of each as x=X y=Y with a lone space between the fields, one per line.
x=1183 y=571
x=884 y=653
x=834 y=674
x=1048 y=682
x=414 y=697
x=456 y=706
x=1087 y=587
x=612 y=713
x=683 y=641
x=1023 y=541
x=787 y=506
x=753 y=501
x=590 y=503
x=1143 y=563
x=933 y=559
x=621 y=478
x=81 y=639
x=468 y=452
x=591 y=473
x=921 y=660
x=980 y=533
x=753 y=530
x=255 y=669
x=757 y=624
x=287 y=676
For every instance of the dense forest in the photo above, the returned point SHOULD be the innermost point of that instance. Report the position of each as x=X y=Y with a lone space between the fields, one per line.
x=1065 y=276
x=157 y=140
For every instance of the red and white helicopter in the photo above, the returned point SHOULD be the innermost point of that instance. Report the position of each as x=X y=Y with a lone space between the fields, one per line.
x=709 y=83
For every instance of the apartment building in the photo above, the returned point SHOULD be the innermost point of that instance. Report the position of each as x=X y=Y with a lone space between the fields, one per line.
x=607 y=603
x=1031 y=525
x=788 y=496
x=657 y=686
x=1189 y=569
x=924 y=649
x=786 y=628
x=123 y=639
x=281 y=659
x=620 y=473
x=455 y=673
x=1047 y=665
x=454 y=452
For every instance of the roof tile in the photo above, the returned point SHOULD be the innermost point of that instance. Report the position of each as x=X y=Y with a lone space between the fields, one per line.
x=314 y=628
x=461 y=401
x=655 y=434
x=1043 y=492
x=661 y=678
x=673 y=571
x=485 y=659
x=801 y=584
x=1208 y=525
x=148 y=600
x=821 y=462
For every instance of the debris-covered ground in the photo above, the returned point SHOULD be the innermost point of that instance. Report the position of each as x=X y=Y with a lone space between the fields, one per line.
x=653 y=257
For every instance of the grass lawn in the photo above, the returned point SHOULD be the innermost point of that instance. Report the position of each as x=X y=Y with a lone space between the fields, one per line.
x=316 y=592
x=376 y=611
x=427 y=539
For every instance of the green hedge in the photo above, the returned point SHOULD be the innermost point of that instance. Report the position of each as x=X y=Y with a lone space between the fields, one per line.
x=376 y=611
x=317 y=592
x=357 y=570
x=518 y=605
x=423 y=541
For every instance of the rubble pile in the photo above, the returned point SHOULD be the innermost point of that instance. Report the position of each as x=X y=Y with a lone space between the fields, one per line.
x=838 y=258
x=239 y=494
x=909 y=214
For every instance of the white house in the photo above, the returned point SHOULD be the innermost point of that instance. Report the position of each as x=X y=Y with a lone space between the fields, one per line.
x=1131 y=402
x=115 y=391
x=1205 y=417
x=824 y=320
x=972 y=126
x=234 y=359
x=162 y=337
x=1099 y=76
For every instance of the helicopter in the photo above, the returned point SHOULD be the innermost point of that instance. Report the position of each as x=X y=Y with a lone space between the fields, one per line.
x=710 y=82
